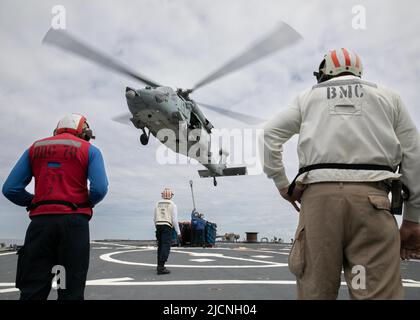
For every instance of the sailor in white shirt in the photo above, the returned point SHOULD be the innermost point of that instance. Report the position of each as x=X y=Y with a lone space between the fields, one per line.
x=165 y=218
x=353 y=136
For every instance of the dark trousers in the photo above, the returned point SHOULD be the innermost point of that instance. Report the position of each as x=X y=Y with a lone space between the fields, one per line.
x=54 y=240
x=164 y=240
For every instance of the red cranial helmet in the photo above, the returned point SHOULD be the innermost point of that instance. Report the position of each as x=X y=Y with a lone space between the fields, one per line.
x=339 y=61
x=167 y=194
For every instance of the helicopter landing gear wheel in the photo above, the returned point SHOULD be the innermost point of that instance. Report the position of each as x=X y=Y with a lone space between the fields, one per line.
x=144 y=138
x=214 y=181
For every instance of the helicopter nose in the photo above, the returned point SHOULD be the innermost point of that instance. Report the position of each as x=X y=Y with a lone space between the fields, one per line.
x=130 y=93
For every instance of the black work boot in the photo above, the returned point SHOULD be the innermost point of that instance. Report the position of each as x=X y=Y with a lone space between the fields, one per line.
x=161 y=268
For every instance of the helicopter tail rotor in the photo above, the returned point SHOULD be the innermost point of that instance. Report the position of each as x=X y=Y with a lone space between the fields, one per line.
x=226 y=172
x=234 y=171
x=220 y=169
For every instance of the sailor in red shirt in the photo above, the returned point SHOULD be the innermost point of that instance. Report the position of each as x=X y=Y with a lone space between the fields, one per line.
x=60 y=209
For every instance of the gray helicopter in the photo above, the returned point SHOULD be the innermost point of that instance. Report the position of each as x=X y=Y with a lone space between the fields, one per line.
x=158 y=107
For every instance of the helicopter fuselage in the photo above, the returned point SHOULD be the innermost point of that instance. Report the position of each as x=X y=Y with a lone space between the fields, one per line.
x=173 y=120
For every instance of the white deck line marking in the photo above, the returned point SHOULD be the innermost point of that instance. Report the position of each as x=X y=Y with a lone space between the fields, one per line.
x=106 y=282
x=201 y=260
x=220 y=255
x=118 y=281
x=127 y=282
x=231 y=249
x=265 y=251
x=119 y=245
x=189 y=282
x=7 y=284
x=262 y=256
x=7 y=253
x=271 y=251
x=9 y=290
x=411 y=281
x=107 y=257
x=200 y=254
x=221 y=248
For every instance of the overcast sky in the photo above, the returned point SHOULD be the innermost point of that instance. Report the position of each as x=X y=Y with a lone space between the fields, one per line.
x=177 y=43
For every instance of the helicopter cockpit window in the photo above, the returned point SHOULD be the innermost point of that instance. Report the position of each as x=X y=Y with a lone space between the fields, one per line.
x=161 y=97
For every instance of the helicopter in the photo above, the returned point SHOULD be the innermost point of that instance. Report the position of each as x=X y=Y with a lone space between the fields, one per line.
x=156 y=107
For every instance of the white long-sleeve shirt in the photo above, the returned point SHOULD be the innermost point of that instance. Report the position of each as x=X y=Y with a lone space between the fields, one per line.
x=166 y=212
x=347 y=120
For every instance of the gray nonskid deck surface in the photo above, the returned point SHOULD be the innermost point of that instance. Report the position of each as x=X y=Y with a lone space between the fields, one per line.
x=229 y=271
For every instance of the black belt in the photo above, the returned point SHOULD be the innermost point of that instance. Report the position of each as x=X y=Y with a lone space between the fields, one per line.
x=347 y=166
x=163 y=223
x=72 y=205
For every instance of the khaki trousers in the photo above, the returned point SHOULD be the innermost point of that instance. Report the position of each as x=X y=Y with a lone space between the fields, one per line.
x=346 y=226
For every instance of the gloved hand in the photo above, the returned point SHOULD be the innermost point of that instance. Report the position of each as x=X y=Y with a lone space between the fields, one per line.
x=410 y=240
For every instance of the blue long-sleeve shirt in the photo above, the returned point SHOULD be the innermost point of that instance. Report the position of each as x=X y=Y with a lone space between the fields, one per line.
x=21 y=176
x=96 y=176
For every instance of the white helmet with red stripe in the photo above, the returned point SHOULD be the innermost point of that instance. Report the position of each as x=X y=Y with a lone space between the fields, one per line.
x=167 y=193
x=339 y=61
x=75 y=124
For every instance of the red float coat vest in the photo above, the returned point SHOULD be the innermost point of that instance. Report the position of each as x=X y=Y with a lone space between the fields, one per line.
x=60 y=167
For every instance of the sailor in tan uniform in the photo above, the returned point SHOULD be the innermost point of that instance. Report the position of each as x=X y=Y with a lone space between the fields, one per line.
x=353 y=137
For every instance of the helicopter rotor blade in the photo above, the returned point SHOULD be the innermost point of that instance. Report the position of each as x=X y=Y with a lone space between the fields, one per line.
x=282 y=37
x=123 y=118
x=65 y=41
x=248 y=119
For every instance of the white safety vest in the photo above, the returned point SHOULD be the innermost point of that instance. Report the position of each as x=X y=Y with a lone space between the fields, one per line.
x=164 y=213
